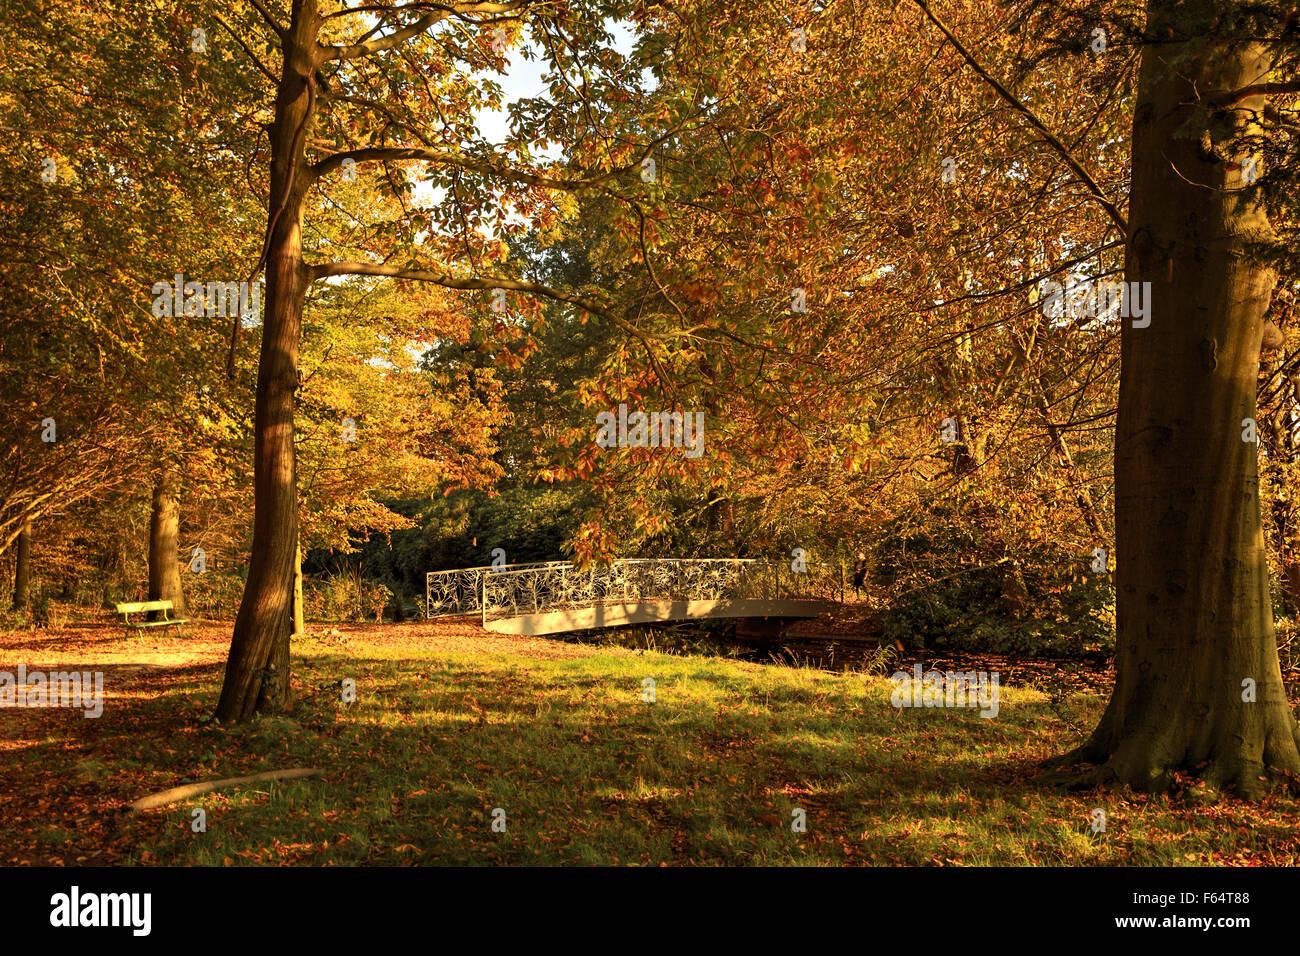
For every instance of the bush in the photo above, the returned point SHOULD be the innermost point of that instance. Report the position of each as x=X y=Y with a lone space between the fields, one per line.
x=945 y=590
x=212 y=594
x=375 y=598
x=344 y=597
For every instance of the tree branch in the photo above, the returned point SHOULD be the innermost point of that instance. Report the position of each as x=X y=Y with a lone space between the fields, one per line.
x=198 y=789
x=1256 y=89
x=1098 y=194
x=352 y=51
x=275 y=80
x=270 y=20
x=446 y=280
x=388 y=153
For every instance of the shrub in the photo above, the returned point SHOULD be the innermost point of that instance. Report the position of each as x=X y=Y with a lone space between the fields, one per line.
x=946 y=589
x=212 y=594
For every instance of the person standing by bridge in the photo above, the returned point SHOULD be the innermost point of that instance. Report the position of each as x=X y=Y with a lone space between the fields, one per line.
x=859 y=574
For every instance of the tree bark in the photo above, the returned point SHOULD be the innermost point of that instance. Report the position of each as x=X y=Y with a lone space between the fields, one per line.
x=164 y=528
x=23 y=566
x=257 y=671
x=1192 y=602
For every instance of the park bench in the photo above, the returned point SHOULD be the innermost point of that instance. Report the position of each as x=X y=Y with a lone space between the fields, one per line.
x=144 y=607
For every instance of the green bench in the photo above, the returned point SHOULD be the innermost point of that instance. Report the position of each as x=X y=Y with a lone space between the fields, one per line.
x=144 y=607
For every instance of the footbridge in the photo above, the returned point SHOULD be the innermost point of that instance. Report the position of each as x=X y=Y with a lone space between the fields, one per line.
x=556 y=596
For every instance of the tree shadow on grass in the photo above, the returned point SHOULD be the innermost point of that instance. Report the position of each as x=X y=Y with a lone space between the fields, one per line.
x=715 y=770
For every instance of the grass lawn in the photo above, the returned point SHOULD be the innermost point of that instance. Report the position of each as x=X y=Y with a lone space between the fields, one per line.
x=451 y=722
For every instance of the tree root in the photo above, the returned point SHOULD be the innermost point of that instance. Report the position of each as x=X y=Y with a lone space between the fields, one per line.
x=195 y=789
x=1205 y=783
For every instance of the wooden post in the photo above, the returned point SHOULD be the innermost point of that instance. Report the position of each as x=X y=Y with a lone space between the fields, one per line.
x=299 y=625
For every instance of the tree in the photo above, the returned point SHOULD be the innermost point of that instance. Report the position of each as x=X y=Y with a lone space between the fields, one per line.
x=1198 y=686
x=391 y=101
x=830 y=297
x=23 y=566
x=164 y=527
x=106 y=192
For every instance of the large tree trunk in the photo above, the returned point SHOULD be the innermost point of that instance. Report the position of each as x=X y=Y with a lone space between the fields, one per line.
x=257 y=671
x=164 y=527
x=23 y=566
x=1192 y=602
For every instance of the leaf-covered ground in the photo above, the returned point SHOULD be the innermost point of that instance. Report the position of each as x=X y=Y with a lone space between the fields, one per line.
x=451 y=723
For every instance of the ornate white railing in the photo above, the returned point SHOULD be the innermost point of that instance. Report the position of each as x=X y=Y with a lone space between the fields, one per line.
x=460 y=591
x=516 y=589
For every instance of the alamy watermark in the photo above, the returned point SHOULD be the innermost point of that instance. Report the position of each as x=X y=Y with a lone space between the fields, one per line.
x=213 y=299
x=75 y=908
x=56 y=689
x=1097 y=300
x=946 y=689
x=656 y=430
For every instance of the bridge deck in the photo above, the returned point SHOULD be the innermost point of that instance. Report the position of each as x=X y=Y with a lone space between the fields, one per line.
x=651 y=611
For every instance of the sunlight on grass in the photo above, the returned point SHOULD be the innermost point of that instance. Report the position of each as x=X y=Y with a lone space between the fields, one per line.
x=715 y=770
